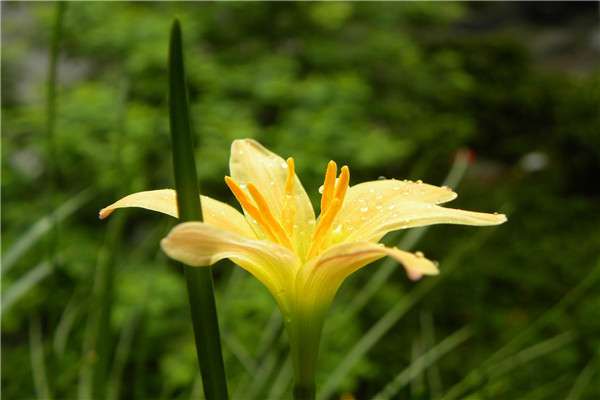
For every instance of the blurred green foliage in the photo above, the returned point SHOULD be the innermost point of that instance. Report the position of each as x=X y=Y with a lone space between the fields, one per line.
x=390 y=89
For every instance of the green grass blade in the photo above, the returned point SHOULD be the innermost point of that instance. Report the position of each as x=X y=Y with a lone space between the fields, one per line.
x=199 y=280
x=38 y=363
x=384 y=324
x=104 y=282
x=491 y=372
x=282 y=380
x=424 y=361
x=122 y=355
x=584 y=379
x=42 y=226
x=66 y=324
x=433 y=374
x=569 y=298
x=51 y=99
x=20 y=288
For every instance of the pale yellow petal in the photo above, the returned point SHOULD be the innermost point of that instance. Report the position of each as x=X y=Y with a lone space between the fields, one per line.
x=214 y=212
x=198 y=244
x=323 y=275
x=163 y=201
x=374 y=208
x=250 y=162
x=222 y=215
x=411 y=215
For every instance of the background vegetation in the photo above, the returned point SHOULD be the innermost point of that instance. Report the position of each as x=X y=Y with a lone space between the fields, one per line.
x=93 y=309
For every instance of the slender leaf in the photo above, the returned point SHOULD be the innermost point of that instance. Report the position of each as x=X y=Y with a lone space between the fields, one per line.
x=42 y=226
x=199 y=280
x=424 y=361
x=38 y=363
x=24 y=284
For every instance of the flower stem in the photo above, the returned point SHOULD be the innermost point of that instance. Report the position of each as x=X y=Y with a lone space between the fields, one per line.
x=304 y=330
x=304 y=391
x=199 y=280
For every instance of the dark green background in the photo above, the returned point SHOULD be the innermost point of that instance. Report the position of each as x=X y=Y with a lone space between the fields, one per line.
x=391 y=89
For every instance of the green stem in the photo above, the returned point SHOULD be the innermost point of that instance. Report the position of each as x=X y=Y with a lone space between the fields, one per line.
x=52 y=155
x=199 y=280
x=304 y=330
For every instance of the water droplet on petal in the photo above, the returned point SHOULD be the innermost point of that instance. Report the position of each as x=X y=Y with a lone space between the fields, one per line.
x=419 y=254
x=381 y=178
x=419 y=182
x=283 y=165
x=321 y=188
x=364 y=209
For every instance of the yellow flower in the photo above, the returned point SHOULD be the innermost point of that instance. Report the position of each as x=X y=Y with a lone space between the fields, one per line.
x=301 y=259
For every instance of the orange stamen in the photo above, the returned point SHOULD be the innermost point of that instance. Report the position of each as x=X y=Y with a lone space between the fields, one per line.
x=327 y=217
x=268 y=216
x=249 y=207
x=328 y=186
x=323 y=226
x=342 y=185
x=289 y=204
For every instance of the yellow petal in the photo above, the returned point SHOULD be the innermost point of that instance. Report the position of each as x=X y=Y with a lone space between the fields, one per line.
x=214 y=212
x=163 y=201
x=199 y=244
x=374 y=208
x=250 y=162
x=411 y=215
x=323 y=276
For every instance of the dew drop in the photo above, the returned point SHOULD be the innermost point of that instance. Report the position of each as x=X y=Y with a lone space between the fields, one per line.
x=446 y=187
x=381 y=178
x=283 y=165
x=364 y=209
x=419 y=182
x=321 y=188
x=419 y=254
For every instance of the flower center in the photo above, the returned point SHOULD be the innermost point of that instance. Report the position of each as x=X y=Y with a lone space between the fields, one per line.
x=332 y=200
x=281 y=230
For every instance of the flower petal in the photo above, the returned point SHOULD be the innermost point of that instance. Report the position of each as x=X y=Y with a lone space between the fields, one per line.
x=373 y=209
x=199 y=244
x=411 y=215
x=323 y=276
x=163 y=201
x=214 y=212
x=250 y=162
